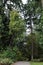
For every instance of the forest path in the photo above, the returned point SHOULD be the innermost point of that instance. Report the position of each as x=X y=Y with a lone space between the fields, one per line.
x=21 y=63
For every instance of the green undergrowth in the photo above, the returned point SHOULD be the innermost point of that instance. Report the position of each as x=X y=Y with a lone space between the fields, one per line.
x=36 y=63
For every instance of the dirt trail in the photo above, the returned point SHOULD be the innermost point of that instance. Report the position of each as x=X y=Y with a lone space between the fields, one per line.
x=21 y=63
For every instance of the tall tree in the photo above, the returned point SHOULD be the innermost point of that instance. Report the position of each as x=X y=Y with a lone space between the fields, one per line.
x=32 y=13
x=5 y=7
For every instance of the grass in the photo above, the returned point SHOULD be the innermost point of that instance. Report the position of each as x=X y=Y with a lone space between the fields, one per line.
x=36 y=63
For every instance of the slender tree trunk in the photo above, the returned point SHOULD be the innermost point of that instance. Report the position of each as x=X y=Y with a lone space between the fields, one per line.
x=31 y=36
x=42 y=3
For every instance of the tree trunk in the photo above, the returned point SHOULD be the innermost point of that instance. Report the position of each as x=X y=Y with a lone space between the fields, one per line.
x=31 y=36
x=42 y=3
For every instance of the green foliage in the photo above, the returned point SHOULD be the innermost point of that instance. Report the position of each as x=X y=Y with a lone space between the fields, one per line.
x=13 y=28
x=36 y=63
x=16 y=23
x=16 y=26
x=33 y=38
x=5 y=61
x=13 y=54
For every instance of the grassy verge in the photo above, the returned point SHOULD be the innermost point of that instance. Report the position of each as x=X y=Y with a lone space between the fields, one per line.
x=36 y=63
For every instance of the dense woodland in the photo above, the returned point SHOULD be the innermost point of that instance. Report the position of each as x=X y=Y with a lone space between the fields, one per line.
x=15 y=19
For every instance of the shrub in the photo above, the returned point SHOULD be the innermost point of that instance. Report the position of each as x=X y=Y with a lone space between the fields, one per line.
x=38 y=60
x=5 y=61
x=13 y=54
x=41 y=59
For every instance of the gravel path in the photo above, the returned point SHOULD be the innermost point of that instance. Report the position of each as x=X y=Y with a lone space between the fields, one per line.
x=21 y=63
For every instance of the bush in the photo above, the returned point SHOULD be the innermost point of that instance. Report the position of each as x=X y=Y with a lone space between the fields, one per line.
x=38 y=60
x=13 y=54
x=5 y=61
x=41 y=59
